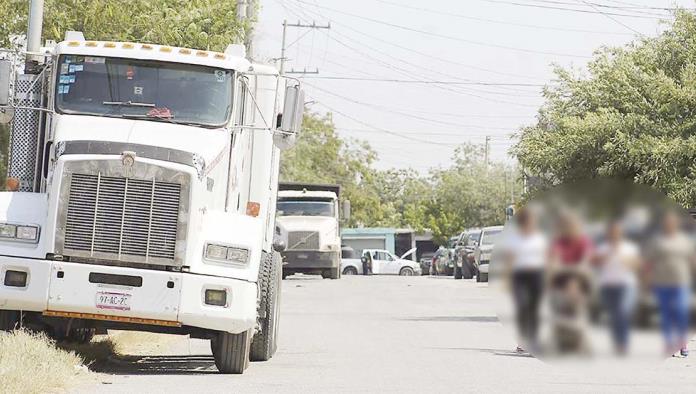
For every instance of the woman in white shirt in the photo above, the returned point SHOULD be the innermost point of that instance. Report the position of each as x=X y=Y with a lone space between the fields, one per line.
x=526 y=254
x=618 y=261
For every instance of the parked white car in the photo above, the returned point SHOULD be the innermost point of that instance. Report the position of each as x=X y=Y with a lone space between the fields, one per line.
x=383 y=263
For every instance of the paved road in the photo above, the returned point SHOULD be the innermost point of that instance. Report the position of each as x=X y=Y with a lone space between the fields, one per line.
x=386 y=334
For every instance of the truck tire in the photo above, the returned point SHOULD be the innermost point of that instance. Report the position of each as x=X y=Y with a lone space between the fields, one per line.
x=265 y=342
x=9 y=320
x=231 y=351
x=331 y=273
x=457 y=272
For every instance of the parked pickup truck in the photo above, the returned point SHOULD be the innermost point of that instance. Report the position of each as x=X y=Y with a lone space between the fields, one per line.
x=383 y=263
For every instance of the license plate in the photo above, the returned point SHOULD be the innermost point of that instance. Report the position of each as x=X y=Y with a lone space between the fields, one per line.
x=114 y=301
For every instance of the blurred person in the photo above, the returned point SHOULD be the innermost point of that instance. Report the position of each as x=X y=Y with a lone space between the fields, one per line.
x=570 y=284
x=366 y=263
x=617 y=260
x=525 y=254
x=671 y=257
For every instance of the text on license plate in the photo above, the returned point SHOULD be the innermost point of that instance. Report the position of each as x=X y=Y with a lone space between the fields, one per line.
x=110 y=300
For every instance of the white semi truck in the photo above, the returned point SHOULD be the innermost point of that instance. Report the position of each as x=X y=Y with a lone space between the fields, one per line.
x=309 y=213
x=144 y=183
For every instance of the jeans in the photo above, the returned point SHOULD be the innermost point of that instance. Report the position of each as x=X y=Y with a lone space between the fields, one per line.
x=618 y=301
x=527 y=288
x=673 y=302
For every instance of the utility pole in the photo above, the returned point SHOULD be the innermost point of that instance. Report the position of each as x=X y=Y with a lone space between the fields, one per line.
x=284 y=47
x=487 y=150
x=34 y=33
x=245 y=12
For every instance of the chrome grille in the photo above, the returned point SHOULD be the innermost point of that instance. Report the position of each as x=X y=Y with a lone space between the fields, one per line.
x=120 y=217
x=303 y=240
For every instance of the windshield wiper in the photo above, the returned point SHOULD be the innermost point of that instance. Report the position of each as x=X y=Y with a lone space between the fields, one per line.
x=128 y=104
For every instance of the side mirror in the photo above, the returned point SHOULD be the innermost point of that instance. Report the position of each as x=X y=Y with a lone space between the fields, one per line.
x=293 y=110
x=5 y=81
x=280 y=237
x=345 y=207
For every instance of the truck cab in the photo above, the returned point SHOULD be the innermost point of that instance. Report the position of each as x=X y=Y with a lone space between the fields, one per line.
x=309 y=213
x=144 y=184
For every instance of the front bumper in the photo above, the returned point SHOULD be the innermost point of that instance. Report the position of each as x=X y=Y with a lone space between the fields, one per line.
x=175 y=297
x=310 y=259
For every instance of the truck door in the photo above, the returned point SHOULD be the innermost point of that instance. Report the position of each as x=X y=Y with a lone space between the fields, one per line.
x=391 y=265
x=379 y=262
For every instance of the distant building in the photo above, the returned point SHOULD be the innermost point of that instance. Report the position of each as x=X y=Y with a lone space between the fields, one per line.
x=397 y=241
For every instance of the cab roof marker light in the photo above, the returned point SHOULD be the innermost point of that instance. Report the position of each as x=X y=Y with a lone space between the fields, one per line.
x=74 y=44
x=202 y=53
x=165 y=49
x=220 y=56
x=146 y=46
x=109 y=45
x=127 y=45
x=185 y=51
x=91 y=44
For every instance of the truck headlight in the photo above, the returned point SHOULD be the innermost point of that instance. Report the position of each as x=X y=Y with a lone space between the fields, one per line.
x=19 y=232
x=231 y=254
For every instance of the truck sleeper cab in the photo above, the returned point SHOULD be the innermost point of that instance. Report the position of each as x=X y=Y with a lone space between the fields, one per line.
x=150 y=204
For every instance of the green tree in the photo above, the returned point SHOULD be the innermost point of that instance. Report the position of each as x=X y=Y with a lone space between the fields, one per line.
x=202 y=24
x=630 y=117
x=468 y=194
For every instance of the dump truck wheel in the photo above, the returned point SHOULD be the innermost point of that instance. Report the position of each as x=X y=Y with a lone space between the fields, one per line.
x=9 y=320
x=231 y=351
x=265 y=342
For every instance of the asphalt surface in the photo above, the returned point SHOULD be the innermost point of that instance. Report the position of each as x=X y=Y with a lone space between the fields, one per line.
x=385 y=334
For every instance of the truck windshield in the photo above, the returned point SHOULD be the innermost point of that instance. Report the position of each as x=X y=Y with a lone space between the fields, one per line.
x=305 y=208
x=144 y=89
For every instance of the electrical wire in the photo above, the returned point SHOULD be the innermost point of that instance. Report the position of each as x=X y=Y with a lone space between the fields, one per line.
x=447 y=37
x=498 y=22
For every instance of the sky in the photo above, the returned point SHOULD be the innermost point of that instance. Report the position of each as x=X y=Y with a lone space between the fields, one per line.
x=417 y=78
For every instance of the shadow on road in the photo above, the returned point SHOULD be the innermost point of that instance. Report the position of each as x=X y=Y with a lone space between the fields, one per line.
x=158 y=365
x=496 y=352
x=476 y=319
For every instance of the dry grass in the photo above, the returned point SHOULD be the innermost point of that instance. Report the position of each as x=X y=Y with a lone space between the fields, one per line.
x=31 y=363
x=139 y=343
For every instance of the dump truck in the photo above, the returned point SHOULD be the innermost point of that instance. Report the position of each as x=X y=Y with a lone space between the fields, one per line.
x=142 y=192
x=309 y=213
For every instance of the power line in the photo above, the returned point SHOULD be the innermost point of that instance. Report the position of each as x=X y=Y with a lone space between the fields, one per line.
x=611 y=17
x=498 y=22
x=402 y=113
x=506 y=136
x=569 y=9
x=412 y=50
x=444 y=36
x=411 y=74
x=441 y=82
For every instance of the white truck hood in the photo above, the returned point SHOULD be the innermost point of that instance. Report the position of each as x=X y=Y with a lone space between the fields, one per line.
x=208 y=143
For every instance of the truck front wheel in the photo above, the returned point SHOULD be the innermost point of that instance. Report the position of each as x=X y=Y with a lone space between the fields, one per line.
x=332 y=273
x=265 y=342
x=9 y=320
x=231 y=351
